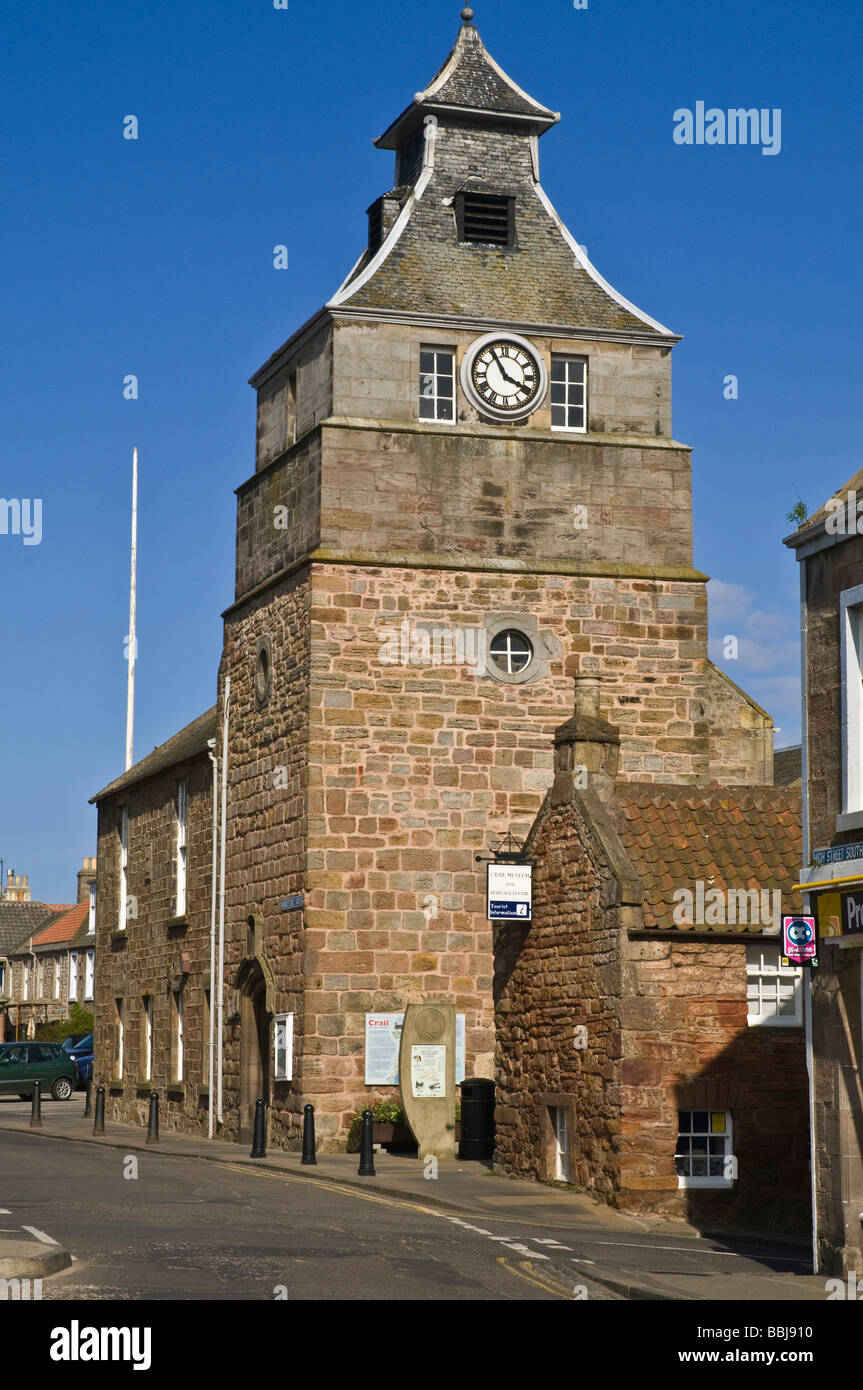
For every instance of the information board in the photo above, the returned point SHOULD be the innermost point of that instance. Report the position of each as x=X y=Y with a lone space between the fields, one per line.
x=383 y=1036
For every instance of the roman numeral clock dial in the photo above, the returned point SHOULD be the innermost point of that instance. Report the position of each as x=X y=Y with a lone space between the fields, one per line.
x=504 y=376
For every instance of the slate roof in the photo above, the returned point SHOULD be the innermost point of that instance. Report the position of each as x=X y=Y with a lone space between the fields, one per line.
x=472 y=80
x=726 y=837
x=185 y=744
x=788 y=766
x=544 y=280
x=20 y=921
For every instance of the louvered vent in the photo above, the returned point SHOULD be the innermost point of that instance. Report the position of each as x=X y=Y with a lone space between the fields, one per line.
x=487 y=218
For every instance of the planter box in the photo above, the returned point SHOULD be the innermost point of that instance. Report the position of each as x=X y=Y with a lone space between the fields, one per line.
x=401 y=1134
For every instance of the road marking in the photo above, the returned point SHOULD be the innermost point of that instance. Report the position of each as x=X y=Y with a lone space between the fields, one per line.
x=546 y=1241
x=4 y=1211
x=40 y=1235
x=531 y=1278
x=731 y=1254
x=576 y=1260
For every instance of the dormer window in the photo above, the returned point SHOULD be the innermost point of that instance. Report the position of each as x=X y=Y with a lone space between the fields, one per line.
x=485 y=218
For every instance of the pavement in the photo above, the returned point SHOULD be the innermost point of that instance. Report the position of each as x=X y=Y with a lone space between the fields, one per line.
x=633 y=1257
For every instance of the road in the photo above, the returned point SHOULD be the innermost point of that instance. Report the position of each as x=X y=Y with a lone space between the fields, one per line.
x=191 y=1229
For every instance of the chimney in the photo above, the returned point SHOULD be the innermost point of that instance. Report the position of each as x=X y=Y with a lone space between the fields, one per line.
x=586 y=747
x=86 y=876
x=17 y=888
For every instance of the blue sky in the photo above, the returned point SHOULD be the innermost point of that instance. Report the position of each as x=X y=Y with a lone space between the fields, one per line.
x=154 y=257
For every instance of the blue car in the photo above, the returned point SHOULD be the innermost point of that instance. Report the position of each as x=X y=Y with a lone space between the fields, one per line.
x=82 y=1055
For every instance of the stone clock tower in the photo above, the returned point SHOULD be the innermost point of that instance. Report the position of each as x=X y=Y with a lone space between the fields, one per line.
x=465 y=483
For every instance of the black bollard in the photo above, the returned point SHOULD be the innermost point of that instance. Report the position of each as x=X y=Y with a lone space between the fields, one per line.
x=308 y=1135
x=259 y=1142
x=367 y=1157
x=99 y=1118
x=36 y=1107
x=153 y=1121
x=88 y=1103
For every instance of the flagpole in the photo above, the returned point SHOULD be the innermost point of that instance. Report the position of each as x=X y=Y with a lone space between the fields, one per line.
x=131 y=640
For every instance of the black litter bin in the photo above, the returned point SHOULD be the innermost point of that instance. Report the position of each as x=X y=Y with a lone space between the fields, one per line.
x=477 y=1119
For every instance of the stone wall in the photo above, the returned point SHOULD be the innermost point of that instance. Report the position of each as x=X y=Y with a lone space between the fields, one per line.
x=415 y=769
x=665 y=1030
x=741 y=734
x=266 y=834
x=687 y=1046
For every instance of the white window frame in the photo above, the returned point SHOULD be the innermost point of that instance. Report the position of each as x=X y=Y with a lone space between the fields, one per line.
x=3 y=964
x=89 y=974
x=559 y=1117
x=283 y=1047
x=764 y=964
x=124 y=866
x=91 y=919
x=508 y=670
x=148 y=1037
x=424 y=377
x=73 y=975
x=182 y=811
x=569 y=359
x=58 y=975
x=180 y=1058
x=25 y=981
x=716 y=1182
x=120 y=1023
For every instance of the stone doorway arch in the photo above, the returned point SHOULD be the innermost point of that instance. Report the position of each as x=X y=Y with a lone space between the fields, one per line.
x=255 y=999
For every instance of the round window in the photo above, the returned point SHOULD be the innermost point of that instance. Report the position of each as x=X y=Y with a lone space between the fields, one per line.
x=511 y=651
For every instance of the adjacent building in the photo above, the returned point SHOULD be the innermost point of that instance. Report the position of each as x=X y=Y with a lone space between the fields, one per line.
x=829 y=549
x=650 y=1041
x=47 y=955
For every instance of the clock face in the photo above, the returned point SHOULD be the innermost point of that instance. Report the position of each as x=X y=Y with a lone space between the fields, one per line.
x=504 y=376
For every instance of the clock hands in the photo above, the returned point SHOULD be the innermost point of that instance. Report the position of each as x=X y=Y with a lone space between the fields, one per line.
x=506 y=376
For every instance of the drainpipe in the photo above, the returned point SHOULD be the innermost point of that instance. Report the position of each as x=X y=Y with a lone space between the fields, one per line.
x=211 y=743
x=219 y=1115
x=807 y=971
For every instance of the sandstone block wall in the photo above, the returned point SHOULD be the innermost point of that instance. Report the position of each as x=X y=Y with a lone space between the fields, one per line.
x=266 y=833
x=153 y=957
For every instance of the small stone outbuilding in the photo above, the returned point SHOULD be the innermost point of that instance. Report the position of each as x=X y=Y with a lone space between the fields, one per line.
x=649 y=1042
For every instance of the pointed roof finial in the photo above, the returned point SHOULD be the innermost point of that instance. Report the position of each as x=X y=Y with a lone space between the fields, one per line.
x=467 y=14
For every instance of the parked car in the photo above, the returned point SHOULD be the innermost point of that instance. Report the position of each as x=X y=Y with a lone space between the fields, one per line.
x=82 y=1056
x=73 y=1040
x=22 y=1063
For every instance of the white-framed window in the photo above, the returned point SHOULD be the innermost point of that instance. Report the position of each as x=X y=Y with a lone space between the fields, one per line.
x=851 y=658
x=25 y=983
x=568 y=386
x=560 y=1125
x=91 y=919
x=774 y=994
x=704 y=1156
x=511 y=651
x=57 y=976
x=437 y=384
x=124 y=864
x=177 y=1038
x=2 y=976
x=89 y=973
x=283 y=1047
x=180 y=905
x=147 y=1037
x=119 y=1038
x=73 y=974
